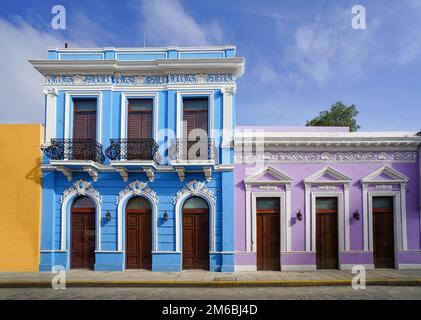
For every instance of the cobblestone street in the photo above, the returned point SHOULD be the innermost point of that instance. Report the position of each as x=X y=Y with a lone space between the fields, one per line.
x=161 y=293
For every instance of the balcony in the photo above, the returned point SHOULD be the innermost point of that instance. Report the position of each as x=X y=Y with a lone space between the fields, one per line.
x=193 y=155
x=133 y=154
x=75 y=149
x=68 y=155
x=194 y=151
x=132 y=150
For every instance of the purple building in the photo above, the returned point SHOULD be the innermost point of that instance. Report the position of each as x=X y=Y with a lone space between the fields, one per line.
x=314 y=198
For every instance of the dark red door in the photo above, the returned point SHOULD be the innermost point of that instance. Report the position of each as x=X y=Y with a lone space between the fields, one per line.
x=139 y=129
x=327 y=252
x=139 y=240
x=82 y=242
x=383 y=232
x=195 y=234
x=268 y=234
x=195 y=116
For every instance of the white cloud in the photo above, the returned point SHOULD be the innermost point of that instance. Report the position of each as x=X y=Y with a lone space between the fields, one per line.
x=166 y=22
x=20 y=83
x=337 y=49
x=22 y=100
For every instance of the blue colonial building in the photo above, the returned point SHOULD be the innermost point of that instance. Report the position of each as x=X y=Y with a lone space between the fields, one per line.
x=138 y=158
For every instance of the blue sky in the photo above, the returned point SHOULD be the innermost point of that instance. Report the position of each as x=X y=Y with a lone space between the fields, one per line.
x=292 y=71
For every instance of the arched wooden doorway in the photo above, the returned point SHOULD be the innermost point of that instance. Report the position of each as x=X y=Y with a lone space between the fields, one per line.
x=195 y=234
x=82 y=242
x=138 y=234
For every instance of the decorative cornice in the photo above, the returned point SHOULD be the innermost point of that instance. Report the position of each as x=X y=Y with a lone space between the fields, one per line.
x=83 y=188
x=139 y=79
x=346 y=156
x=195 y=188
x=138 y=188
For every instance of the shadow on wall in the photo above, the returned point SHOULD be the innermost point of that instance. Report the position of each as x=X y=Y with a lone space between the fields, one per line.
x=35 y=173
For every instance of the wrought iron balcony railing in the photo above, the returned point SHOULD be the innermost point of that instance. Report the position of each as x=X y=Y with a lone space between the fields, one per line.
x=194 y=150
x=75 y=149
x=132 y=149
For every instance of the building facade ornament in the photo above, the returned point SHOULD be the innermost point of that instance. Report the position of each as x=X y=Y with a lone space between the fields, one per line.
x=346 y=156
x=138 y=188
x=139 y=79
x=82 y=188
x=195 y=188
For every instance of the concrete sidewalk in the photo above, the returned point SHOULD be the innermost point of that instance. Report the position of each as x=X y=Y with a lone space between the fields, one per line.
x=139 y=278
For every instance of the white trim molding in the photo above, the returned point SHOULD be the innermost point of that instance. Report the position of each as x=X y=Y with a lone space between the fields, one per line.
x=50 y=114
x=280 y=179
x=340 y=179
x=396 y=178
x=125 y=107
x=228 y=110
x=136 y=189
x=68 y=110
x=83 y=188
x=194 y=188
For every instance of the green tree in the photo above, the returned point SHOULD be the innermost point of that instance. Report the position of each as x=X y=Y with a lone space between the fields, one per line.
x=339 y=115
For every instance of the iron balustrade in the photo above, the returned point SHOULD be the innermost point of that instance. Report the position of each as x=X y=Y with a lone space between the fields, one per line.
x=194 y=150
x=132 y=149
x=75 y=149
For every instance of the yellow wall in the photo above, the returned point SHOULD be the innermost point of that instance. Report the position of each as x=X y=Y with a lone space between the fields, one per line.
x=20 y=196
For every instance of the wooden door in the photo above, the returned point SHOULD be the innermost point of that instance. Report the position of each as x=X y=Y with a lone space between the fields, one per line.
x=139 y=239
x=139 y=129
x=195 y=234
x=327 y=252
x=195 y=116
x=268 y=234
x=383 y=232
x=82 y=243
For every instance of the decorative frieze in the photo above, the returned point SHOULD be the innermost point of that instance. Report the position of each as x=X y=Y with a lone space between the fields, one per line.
x=82 y=188
x=346 y=156
x=195 y=188
x=139 y=80
x=137 y=188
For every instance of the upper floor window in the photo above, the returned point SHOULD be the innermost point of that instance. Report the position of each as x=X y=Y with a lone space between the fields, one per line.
x=139 y=120
x=195 y=127
x=195 y=115
x=84 y=120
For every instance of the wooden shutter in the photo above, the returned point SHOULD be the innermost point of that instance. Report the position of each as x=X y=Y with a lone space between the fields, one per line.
x=139 y=123
x=84 y=119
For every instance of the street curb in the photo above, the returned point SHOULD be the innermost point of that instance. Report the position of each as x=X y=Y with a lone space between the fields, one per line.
x=175 y=283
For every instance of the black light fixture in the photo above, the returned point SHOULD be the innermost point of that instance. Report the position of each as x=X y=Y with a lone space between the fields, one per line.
x=108 y=216
x=356 y=215
x=299 y=215
x=165 y=217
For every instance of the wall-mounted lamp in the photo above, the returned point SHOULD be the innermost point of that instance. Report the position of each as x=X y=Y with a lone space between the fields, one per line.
x=356 y=215
x=165 y=217
x=299 y=215
x=108 y=216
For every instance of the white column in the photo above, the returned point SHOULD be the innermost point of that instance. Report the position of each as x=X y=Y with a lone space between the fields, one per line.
x=365 y=217
x=227 y=133
x=307 y=219
x=248 y=219
x=288 y=215
x=346 y=217
x=403 y=217
x=50 y=119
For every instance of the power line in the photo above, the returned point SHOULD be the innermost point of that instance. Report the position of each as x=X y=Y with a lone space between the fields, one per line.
x=305 y=58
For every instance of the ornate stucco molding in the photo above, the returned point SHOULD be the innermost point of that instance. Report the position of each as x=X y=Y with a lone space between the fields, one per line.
x=138 y=188
x=346 y=156
x=82 y=188
x=195 y=188
x=139 y=79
